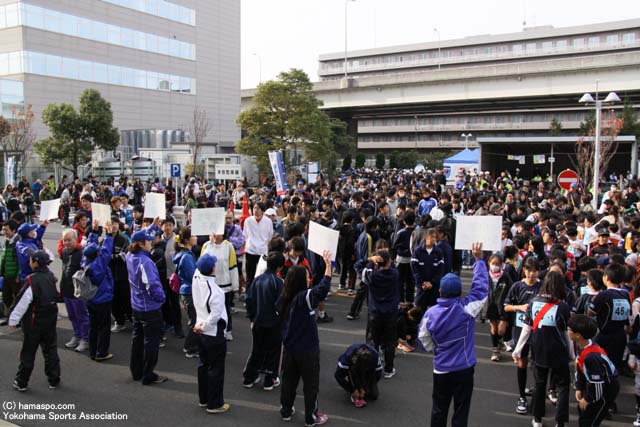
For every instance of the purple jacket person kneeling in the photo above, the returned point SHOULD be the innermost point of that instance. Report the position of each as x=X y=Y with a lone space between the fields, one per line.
x=448 y=329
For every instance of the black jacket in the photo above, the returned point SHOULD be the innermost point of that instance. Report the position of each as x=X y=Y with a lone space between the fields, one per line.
x=261 y=299
x=118 y=265
x=70 y=264
x=43 y=310
x=402 y=243
x=157 y=255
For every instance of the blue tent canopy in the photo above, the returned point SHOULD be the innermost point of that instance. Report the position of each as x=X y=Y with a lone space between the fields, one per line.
x=466 y=156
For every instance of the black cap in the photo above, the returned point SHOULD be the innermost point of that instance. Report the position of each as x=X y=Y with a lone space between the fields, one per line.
x=603 y=233
x=40 y=257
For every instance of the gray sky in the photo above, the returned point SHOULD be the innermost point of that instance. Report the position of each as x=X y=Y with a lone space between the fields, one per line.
x=292 y=33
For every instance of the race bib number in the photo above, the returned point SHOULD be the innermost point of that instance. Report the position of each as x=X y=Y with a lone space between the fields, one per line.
x=549 y=318
x=584 y=290
x=621 y=310
x=520 y=319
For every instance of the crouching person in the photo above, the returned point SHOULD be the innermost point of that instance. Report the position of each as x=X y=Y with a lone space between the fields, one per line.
x=358 y=373
x=210 y=327
x=37 y=303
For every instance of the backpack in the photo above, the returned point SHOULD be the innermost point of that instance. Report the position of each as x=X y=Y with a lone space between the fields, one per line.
x=84 y=289
x=174 y=279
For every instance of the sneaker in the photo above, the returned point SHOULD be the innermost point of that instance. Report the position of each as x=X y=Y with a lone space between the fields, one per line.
x=503 y=346
x=233 y=310
x=529 y=391
x=359 y=403
x=390 y=374
x=508 y=346
x=73 y=342
x=319 y=419
x=53 y=386
x=553 y=396
x=405 y=348
x=83 y=345
x=224 y=408
x=495 y=356
x=159 y=379
x=249 y=384
x=273 y=384
x=190 y=355
x=325 y=319
x=229 y=336
x=293 y=411
x=535 y=423
x=103 y=358
x=522 y=407
x=202 y=405
x=118 y=328
x=162 y=344
x=352 y=316
x=636 y=423
x=19 y=387
x=351 y=292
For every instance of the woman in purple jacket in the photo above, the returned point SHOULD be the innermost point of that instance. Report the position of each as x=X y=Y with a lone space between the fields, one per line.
x=147 y=297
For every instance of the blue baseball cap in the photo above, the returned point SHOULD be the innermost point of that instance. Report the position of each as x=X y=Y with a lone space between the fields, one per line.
x=450 y=284
x=25 y=229
x=206 y=263
x=141 y=236
x=90 y=251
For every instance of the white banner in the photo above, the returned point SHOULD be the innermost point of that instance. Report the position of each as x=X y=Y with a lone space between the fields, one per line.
x=323 y=239
x=474 y=229
x=49 y=209
x=205 y=222
x=155 y=205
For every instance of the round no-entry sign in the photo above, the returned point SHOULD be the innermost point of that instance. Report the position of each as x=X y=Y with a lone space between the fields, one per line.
x=566 y=178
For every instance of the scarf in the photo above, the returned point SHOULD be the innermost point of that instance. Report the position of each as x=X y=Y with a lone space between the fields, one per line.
x=496 y=276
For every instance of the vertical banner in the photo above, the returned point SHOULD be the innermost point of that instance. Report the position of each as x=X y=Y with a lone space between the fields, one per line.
x=9 y=171
x=313 y=170
x=277 y=166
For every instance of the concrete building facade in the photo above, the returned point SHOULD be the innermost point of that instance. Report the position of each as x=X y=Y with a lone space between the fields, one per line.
x=424 y=97
x=156 y=61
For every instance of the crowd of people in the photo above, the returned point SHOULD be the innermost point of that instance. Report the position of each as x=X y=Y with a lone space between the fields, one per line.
x=563 y=287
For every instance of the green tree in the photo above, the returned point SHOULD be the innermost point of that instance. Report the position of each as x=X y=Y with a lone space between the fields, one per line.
x=588 y=124
x=408 y=159
x=555 y=127
x=393 y=160
x=5 y=127
x=631 y=124
x=360 y=160
x=286 y=115
x=76 y=134
x=346 y=162
x=380 y=160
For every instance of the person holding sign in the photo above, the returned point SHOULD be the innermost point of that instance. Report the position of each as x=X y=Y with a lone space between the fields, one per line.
x=448 y=330
x=546 y=321
x=518 y=299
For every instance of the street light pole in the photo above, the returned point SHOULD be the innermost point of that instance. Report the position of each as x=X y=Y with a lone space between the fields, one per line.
x=588 y=99
x=439 y=47
x=466 y=137
x=259 y=65
x=346 y=3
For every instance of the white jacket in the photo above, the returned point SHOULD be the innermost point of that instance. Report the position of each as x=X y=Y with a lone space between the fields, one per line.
x=227 y=265
x=208 y=299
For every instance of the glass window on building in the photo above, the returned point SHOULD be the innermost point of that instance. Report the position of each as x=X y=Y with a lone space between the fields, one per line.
x=594 y=41
x=12 y=15
x=547 y=46
x=578 y=43
x=612 y=39
x=628 y=38
x=561 y=44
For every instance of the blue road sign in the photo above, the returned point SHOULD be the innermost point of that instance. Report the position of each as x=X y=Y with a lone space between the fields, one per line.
x=175 y=170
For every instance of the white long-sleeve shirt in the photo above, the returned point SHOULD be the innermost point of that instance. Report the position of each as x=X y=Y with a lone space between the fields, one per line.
x=21 y=307
x=208 y=300
x=226 y=267
x=258 y=234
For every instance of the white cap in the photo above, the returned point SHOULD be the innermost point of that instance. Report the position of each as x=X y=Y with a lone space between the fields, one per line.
x=270 y=212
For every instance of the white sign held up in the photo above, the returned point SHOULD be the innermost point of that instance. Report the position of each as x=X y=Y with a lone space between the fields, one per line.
x=473 y=229
x=49 y=209
x=155 y=206
x=101 y=212
x=207 y=221
x=323 y=239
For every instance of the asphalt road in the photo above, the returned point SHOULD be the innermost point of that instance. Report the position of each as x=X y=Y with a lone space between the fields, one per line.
x=107 y=388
